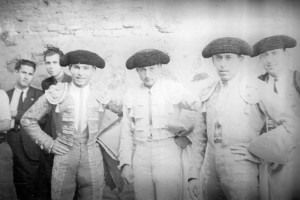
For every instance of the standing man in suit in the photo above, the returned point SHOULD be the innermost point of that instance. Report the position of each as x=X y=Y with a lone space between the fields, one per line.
x=7 y=188
x=26 y=152
x=51 y=57
x=277 y=176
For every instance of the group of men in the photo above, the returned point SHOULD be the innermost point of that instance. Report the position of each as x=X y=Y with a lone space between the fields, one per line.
x=28 y=166
x=242 y=146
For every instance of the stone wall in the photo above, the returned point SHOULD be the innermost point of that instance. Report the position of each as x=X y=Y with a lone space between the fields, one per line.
x=115 y=29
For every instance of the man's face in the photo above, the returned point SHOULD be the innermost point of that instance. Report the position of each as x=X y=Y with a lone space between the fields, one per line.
x=149 y=75
x=52 y=65
x=228 y=65
x=274 y=61
x=25 y=75
x=82 y=74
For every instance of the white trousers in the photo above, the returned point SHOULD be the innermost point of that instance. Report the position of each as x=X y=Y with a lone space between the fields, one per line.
x=157 y=170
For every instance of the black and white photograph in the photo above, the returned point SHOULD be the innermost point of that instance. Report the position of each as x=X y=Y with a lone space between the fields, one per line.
x=149 y=100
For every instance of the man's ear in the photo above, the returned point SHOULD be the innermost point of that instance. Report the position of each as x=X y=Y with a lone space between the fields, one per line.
x=286 y=52
x=213 y=59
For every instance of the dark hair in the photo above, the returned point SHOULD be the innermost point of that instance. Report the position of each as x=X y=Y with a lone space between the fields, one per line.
x=51 y=50
x=25 y=62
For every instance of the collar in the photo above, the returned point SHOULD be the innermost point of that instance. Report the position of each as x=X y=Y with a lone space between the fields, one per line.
x=282 y=76
x=233 y=82
x=74 y=88
x=19 y=90
x=271 y=79
x=264 y=77
x=155 y=86
x=60 y=77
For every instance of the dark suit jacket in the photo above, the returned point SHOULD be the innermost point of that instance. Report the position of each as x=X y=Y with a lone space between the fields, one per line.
x=46 y=83
x=32 y=150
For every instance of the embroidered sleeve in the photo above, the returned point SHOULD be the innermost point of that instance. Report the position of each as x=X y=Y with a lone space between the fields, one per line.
x=273 y=105
x=30 y=120
x=190 y=102
x=178 y=94
x=101 y=93
x=126 y=140
x=287 y=128
x=249 y=90
x=199 y=141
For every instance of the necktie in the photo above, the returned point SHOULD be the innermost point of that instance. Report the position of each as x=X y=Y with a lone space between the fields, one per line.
x=149 y=108
x=20 y=104
x=225 y=83
x=269 y=122
x=80 y=120
x=220 y=112
x=275 y=88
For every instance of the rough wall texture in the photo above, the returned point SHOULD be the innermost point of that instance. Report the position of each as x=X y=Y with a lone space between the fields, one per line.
x=115 y=29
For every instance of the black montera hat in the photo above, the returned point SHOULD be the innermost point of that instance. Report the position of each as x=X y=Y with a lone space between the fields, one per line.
x=273 y=42
x=82 y=57
x=227 y=45
x=147 y=57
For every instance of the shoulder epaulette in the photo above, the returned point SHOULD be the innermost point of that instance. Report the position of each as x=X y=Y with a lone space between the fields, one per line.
x=101 y=93
x=250 y=90
x=56 y=93
x=206 y=92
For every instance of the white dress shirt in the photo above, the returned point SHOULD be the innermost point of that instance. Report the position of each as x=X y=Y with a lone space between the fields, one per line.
x=80 y=117
x=15 y=101
x=16 y=96
x=281 y=83
x=4 y=109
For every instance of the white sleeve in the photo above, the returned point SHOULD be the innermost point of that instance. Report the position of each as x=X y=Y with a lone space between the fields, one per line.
x=4 y=106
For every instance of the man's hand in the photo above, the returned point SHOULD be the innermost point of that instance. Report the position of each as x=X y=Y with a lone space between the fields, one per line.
x=185 y=132
x=175 y=129
x=127 y=174
x=59 y=148
x=241 y=152
x=275 y=166
x=182 y=141
x=194 y=188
